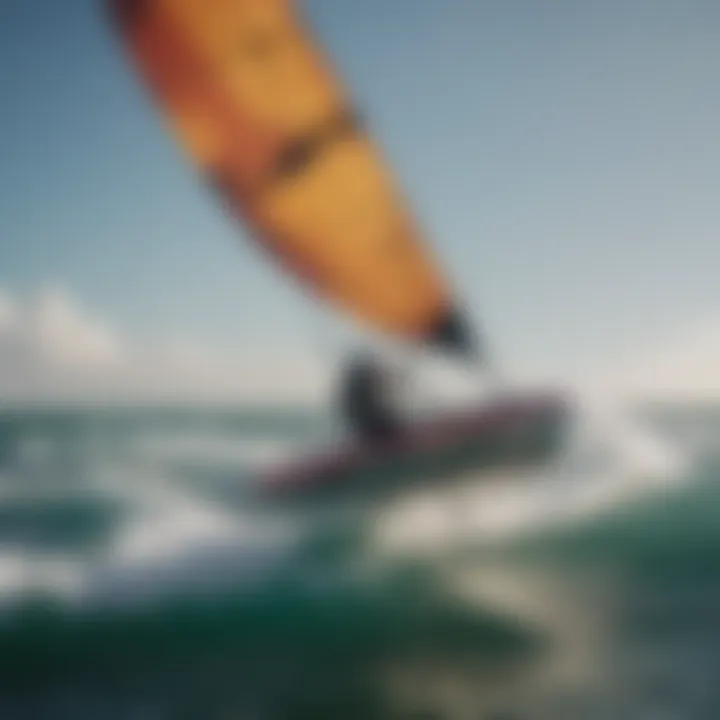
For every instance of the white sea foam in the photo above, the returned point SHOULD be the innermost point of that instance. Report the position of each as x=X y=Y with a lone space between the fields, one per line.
x=610 y=458
x=175 y=538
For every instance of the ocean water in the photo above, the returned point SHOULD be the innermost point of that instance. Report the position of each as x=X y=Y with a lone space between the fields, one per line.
x=136 y=582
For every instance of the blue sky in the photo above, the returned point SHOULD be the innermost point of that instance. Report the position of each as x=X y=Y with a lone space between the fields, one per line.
x=564 y=158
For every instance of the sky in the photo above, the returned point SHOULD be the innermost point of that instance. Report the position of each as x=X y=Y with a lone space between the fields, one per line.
x=562 y=157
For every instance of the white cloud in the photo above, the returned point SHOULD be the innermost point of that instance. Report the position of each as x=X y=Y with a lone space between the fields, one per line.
x=55 y=349
x=683 y=363
x=51 y=348
x=61 y=333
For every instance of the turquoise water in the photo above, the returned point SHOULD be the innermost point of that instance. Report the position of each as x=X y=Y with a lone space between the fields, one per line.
x=135 y=582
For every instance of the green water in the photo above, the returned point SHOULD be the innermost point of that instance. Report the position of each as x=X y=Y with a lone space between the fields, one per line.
x=612 y=616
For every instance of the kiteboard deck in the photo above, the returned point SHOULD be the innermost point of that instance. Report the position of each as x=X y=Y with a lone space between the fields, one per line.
x=525 y=429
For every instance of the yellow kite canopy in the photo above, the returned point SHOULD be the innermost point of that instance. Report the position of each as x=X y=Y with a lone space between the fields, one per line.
x=261 y=113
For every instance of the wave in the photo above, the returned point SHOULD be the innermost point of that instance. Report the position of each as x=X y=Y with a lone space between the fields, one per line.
x=136 y=558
